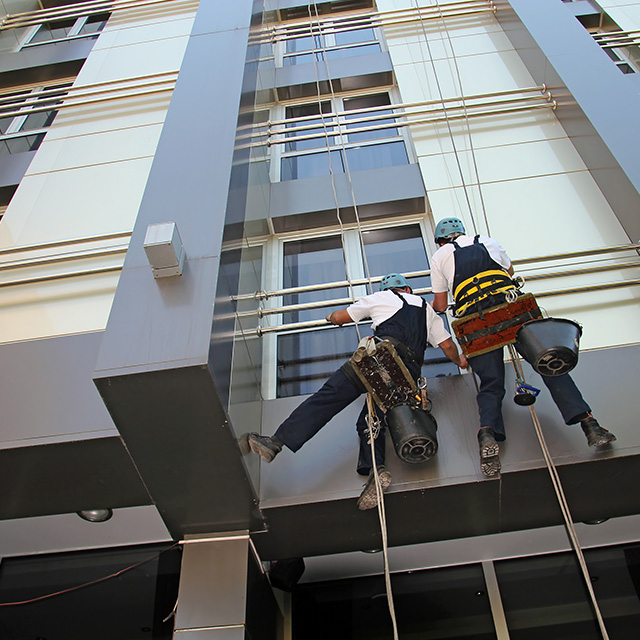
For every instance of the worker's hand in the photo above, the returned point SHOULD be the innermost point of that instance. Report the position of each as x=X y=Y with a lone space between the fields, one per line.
x=464 y=363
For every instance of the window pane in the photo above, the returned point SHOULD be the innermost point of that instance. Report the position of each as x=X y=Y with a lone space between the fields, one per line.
x=307 y=43
x=311 y=165
x=38 y=120
x=364 y=102
x=302 y=58
x=387 y=132
x=309 y=262
x=52 y=31
x=306 y=360
x=545 y=597
x=353 y=37
x=391 y=154
x=304 y=111
x=94 y=24
x=349 y=52
x=449 y=604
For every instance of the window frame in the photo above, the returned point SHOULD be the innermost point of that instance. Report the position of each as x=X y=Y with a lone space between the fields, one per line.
x=273 y=279
x=15 y=129
x=340 y=130
x=328 y=32
x=74 y=32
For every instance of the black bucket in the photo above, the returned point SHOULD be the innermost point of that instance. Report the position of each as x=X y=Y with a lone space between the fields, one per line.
x=550 y=345
x=413 y=432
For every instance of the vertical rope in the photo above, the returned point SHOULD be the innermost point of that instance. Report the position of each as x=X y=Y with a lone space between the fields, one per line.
x=562 y=501
x=383 y=520
x=446 y=116
x=466 y=116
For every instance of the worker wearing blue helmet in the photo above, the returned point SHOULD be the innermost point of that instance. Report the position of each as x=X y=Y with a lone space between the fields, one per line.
x=397 y=315
x=476 y=271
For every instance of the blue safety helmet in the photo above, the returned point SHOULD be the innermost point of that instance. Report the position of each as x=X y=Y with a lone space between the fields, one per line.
x=447 y=226
x=393 y=281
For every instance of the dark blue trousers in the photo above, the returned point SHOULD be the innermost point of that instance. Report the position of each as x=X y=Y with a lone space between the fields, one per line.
x=490 y=369
x=309 y=417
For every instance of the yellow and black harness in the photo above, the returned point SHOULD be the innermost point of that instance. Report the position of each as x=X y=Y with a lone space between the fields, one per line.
x=479 y=281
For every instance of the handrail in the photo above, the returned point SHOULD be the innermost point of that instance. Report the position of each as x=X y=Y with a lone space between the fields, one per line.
x=265 y=295
x=79 y=10
x=312 y=324
x=362 y=20
x=64 y=243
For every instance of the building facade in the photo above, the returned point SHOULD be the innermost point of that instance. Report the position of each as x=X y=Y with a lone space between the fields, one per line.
x=288 y=154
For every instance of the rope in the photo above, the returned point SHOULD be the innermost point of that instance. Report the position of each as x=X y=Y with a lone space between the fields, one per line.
x=342 y=147
x=328 y=146
x=383 y=520
x=466 y=115
x=448 y=122
x=562 y=501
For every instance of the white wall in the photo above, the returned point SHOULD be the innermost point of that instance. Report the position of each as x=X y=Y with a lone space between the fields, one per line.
x=626 y=13
x=88 y=178
x=539 y=197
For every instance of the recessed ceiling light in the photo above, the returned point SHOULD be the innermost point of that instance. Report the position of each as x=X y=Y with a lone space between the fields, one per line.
x=96 y=515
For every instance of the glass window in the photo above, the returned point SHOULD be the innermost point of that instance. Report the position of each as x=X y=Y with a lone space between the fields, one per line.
x=302 y=114
x=449 y=603
x=60 y=30
x=363 y=103
x=311 y=165
x=23 y=127
x=377 y=156
x=306 y=360
x=546 y=596
x=52 y=31
x=332 y=43
x=135 y=605
x=342 y=130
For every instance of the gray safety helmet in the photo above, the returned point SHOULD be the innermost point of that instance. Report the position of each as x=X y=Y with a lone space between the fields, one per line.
x=393 y=281
x=447 y=226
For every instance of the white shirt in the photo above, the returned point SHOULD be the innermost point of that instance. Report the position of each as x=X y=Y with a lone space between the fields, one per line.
x=380 y=306
x=443 y=262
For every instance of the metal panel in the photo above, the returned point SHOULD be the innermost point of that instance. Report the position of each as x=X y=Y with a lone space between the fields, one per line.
x=47 y=394
x=597 y=105
x=213 y=583
x=308 y=498
x=155 y=367
x=303 y=204
x=68 y=477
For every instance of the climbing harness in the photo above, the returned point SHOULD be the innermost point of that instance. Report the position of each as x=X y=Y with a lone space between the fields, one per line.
x=479 y=287
x=495 y=327
x=387 y=380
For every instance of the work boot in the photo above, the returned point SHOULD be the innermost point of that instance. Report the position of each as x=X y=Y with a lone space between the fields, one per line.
x=267 y=447
x=489 y=452
x=597 y=436
x=369 y=497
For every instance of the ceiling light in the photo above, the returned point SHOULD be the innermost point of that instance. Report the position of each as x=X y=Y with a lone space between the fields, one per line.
x=96 y=515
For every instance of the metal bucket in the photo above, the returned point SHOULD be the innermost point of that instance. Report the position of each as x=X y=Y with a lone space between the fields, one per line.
x=550 y=345
x=413 y=432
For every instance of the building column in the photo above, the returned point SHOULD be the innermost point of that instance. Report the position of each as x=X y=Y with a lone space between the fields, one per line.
x=224 y=592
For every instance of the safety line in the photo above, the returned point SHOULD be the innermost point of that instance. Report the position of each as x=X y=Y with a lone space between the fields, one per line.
x=562 y=500
x=343 y=150
x=464 y=107
x=381 y=511
x=382 y=515
x=328 y=146
x=448 y=123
